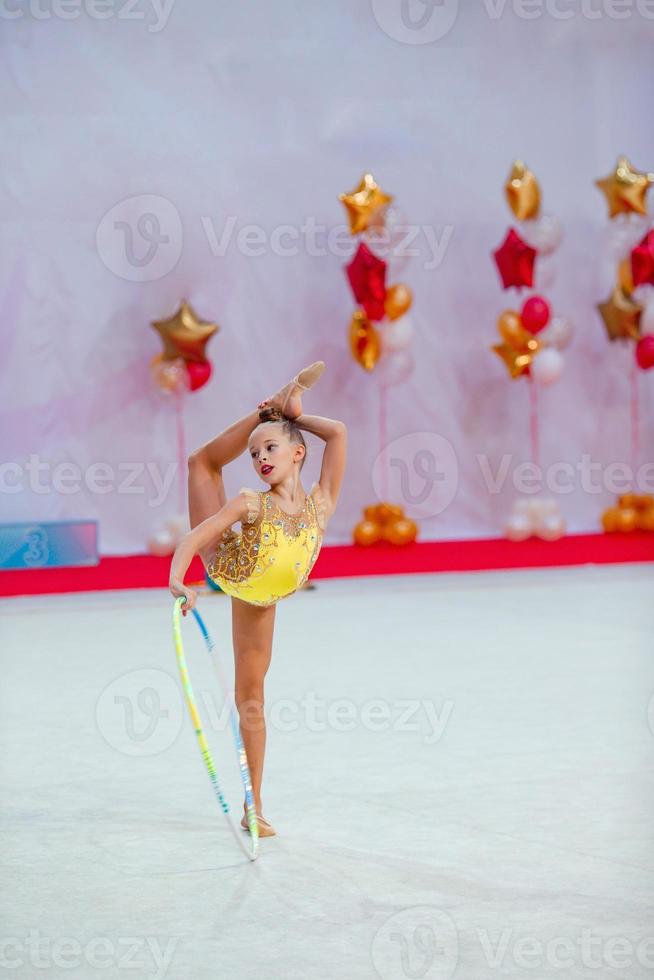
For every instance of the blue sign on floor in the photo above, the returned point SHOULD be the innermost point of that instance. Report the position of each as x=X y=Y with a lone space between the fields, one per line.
x=55 y=544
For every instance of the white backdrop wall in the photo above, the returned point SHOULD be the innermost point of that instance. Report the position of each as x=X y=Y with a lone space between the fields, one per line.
x=260 y=113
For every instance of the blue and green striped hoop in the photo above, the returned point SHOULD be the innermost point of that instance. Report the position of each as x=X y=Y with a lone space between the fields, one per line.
x=207 y=757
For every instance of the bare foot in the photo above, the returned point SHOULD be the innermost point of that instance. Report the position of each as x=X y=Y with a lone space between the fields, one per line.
x=288 y=400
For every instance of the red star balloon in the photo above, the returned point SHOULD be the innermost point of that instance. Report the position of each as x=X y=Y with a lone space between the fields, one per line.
x=642 y=261
x=367 y=275
x=515 y=261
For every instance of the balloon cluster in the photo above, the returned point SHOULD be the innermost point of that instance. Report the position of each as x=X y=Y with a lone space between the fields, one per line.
x=380 y=331
x=628 y=312
x=634 y=512
x=385 y=522
x=183 y=364
x=535 y=517
x=516 y=258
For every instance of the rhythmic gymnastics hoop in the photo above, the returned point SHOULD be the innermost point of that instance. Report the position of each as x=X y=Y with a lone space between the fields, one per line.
x=251 y=851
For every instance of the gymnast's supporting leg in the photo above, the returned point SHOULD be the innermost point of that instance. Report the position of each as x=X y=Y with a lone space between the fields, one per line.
x=252 y=631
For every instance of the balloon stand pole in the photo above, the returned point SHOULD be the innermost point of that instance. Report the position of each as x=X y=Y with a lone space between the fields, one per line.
x=635 y=419
x=533 y=424
x=181 y=452
x=383 y=436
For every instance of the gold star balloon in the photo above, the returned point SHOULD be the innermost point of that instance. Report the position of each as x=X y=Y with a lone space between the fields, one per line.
x=517 y=362
x=621 y=316
x=365 y=342
x=365 y=205
x=185 y=335
x=522 y=192
x=625 y=189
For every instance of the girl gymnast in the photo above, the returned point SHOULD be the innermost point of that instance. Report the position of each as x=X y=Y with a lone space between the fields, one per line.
x=273 y=553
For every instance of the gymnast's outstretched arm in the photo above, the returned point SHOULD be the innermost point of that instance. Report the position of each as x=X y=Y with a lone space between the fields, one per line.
x=198 y=542
x=334 y=456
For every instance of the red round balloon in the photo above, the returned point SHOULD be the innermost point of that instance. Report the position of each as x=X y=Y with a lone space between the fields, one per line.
x=535 y=314
x=645 y=352
x=198 y=373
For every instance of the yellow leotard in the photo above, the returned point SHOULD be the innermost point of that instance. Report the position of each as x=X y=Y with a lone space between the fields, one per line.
x=274 y=552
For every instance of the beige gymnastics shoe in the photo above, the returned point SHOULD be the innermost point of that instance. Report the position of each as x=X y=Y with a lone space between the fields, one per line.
x=265 y=829
x=287 y=403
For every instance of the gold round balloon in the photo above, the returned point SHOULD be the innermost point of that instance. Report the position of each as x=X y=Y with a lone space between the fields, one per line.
x=522 y=192
x=168 y=375
x=398 y=300
x=610 y=519
x=627 y=519
x=387 y=513
x=402 y=531
x=625 y=276
x=366 y=533
x=511 y=330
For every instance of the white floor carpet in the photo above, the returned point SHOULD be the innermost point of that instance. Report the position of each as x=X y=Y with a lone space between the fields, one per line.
x=460 y=770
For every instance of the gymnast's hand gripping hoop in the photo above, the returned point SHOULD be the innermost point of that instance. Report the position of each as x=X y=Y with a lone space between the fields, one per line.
x=251 y=851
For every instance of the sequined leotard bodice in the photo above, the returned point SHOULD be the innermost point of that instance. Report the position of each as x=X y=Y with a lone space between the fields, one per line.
x=274 y=552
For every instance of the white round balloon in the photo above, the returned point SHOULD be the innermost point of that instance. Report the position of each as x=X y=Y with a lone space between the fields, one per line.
x=547 y=366
x=551 y=527
x=161 y=543
x=390 y=241
x=647 y=318
x=544 y=233
x=544 y=273
x=177 y=526
x=643 y=293
x=397 y=334
x=395 y=367
x=558 y=332
x=522 y=507
x=624 y=232
x=518 y=527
